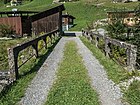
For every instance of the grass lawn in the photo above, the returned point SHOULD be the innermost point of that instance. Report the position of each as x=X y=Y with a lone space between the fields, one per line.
x=35 y=5
x=72 y=86
x=85 y=14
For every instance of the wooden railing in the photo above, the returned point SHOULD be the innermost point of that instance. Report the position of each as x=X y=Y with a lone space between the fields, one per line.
x=13 y=53
x=131 y=50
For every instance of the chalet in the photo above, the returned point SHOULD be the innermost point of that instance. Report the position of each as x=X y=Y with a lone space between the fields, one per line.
x=15 y=2
x=67 y=21
x=128 y=17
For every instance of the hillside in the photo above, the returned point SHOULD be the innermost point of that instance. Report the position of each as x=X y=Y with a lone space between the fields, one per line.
x=85 y=11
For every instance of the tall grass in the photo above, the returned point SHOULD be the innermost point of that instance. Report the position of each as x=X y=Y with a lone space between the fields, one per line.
x=4 y=44
x=132 y=95
x=13 y=93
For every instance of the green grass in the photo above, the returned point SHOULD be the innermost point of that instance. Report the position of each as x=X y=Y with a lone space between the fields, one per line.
x=114 y=71
x=72 y=86
x=13 y=93
x=109 y=3
x=84 y=13
x=4 y=44
x=132 y=95
x=35 y=5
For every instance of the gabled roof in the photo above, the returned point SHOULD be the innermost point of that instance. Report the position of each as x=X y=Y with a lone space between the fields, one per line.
x=67 y=15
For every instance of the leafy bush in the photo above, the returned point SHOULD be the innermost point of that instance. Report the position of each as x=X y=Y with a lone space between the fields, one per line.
x=5 y=30
x=120 y=31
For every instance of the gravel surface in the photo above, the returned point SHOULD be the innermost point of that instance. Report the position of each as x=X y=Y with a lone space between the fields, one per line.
x=109 y=93
x=38 y=90
x=36 y=93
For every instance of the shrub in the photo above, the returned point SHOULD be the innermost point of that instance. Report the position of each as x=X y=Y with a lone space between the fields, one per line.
x=5 y=30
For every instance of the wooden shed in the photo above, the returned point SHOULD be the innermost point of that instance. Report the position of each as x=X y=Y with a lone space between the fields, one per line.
x=28 y=22
x=68 y=21
x=18 y=20
x=48 y=20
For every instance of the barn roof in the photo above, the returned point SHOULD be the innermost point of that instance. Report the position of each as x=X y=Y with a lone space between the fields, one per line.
x=17 y=12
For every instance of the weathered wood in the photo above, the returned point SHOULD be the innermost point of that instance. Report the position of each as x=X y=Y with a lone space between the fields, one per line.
x=14 y=52
x=131 y=50
x=35 y=47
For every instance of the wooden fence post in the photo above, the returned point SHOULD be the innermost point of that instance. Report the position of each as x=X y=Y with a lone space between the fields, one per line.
x=45 y=42
x=90 y=36
x=16 y=64
x=60 y=22
x=35 y=46
x=82 y=32
x=131 y=57
x=96 y=41
x=107 y=49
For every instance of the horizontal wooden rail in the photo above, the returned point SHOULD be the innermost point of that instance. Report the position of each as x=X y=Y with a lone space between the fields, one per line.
x=13 y=53
x=131 y=50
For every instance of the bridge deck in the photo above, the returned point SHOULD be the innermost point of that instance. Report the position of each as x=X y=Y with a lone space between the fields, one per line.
x=36 y=94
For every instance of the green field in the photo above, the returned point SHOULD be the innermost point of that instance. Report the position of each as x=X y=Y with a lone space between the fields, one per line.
x=85 y=11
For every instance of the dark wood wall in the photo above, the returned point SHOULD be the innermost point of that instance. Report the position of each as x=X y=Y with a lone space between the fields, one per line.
x=14 y=22
x=46 y=24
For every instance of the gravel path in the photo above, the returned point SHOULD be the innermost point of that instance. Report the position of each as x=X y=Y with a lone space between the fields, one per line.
x=109 y=93
x=37 y=92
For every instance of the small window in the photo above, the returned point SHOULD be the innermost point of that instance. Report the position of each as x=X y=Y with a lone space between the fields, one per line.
x=70 y=20
x=128 y=19
x=63 y=20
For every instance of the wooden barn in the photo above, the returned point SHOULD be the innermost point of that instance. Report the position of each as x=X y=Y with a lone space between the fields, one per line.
x=28 y=22
x=18 y=20
x=68 y=21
